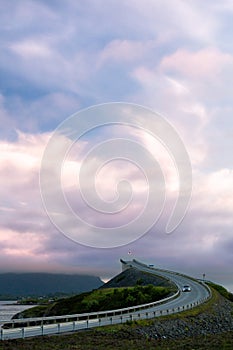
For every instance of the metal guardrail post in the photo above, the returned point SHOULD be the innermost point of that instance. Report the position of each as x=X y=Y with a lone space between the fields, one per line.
x=126 y=311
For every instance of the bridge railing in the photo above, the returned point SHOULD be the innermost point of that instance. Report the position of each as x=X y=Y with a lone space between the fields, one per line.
x=20 y=328
x=100 y=319
x=26 y=322
x=176 y=273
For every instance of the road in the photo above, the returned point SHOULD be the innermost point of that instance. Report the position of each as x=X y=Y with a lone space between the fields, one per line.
x=198 y=290
x=184 y=300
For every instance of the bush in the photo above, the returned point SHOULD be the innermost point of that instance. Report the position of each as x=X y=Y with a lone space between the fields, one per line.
x=139 y=281
x=106 y=299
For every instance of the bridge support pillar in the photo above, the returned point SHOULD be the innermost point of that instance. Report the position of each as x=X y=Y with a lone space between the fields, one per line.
x=124 y=265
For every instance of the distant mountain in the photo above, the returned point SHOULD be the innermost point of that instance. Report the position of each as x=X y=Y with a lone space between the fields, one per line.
x=91 y=302
x=40 y=284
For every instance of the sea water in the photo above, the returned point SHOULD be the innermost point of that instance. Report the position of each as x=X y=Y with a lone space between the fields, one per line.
x=9 y=308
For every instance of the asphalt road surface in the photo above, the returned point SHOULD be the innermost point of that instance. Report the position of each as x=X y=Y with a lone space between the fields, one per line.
x=185 y=300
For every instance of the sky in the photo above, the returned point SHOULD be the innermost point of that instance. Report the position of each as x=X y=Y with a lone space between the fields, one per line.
x=174 y=58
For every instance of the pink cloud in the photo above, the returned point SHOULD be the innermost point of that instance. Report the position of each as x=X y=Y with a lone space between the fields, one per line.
x=206 y=63
x=123 y=51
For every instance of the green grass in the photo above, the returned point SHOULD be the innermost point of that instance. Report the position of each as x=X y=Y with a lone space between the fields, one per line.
x=101 y=300
x=221 y=290
x=36 y=311
x=203 y=308
x=124 y=337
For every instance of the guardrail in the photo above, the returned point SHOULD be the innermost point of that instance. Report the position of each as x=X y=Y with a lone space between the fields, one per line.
x=21 y=328
x=84 y=316
x=163 y=270
x=78 y=324
x=175 y=273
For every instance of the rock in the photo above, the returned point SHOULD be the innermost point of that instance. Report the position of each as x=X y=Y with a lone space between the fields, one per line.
x=217 y=320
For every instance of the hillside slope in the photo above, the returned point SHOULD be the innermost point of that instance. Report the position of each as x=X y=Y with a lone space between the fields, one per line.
x=112 y=295
x=207 y=327
x=132 y=277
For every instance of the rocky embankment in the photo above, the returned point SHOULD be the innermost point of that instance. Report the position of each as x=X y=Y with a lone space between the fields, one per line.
x=218 y=319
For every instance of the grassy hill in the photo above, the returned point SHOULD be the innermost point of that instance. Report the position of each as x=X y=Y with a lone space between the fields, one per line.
x=129 y=288
x=177 y=333
x=132 y=277
x=100 y=300
x=206 y=327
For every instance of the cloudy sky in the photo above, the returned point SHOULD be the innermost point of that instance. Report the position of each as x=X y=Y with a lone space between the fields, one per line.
x=173 y=57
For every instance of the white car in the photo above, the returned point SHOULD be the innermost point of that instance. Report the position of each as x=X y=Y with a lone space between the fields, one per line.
x=186 y=289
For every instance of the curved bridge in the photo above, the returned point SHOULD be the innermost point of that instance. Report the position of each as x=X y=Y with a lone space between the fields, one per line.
x=200 y=292
x=180 y=301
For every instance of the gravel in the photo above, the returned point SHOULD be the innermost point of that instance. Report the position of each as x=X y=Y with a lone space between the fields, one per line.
x=217 y=320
